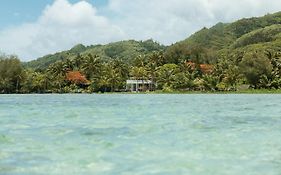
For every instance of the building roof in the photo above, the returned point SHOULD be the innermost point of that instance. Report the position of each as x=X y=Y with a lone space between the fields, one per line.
x=139 y=82
x=205 y=68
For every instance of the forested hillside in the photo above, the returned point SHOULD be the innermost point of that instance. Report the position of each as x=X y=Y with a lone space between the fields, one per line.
x=247 y=34
x=225 y=57
x=124 y=50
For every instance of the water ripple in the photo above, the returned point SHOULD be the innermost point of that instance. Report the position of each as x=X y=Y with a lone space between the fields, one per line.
x=140 y=134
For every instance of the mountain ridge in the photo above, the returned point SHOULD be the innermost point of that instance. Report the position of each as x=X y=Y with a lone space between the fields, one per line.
x=224 y=36
x=213 y=41
x=123 y=50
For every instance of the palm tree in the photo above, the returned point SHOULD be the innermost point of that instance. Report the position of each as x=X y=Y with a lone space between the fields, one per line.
x=92 y=67
x=5 y=85
x=275 y=79
x=139 y=73
x=57 y=68
x=114 y=78
x=39 y=82
x=77 y=62
x=68 y=65
x=166 y=74
x=231 y=76
x=57 y=73
x=104 y=83
x=121 y=68
x=140 y=61
x=156 y=58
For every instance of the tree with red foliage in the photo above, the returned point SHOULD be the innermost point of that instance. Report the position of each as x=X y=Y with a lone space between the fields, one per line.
x=77 y=78
x=205 y=68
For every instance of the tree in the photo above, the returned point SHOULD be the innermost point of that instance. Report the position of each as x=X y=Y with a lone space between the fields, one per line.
x=156 y=58
x=254 y=65
x=39 y=82
x=139 y=61
x=232 y=76
x=111 y=78
x=183 y=80
x=92 y=67
x=166 y=75
x=210 y=82
x=77 y=62
x=121 y=67
x=57 y=73
x=68 y=65
x=138 y=73
x=11 y=74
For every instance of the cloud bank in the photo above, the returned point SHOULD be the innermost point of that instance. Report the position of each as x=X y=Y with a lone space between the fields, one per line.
x=63 y=25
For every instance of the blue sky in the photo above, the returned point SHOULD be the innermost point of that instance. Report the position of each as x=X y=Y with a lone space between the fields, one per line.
x=34 y=28
x=15 y=12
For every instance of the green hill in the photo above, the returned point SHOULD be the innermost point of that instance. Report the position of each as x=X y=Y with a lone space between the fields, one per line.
x=124 y=50
x=205 y=46
x=264 y=35
x=248 y=33
x=226 y=57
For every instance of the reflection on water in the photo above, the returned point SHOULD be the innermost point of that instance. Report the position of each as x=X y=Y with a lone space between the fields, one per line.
x=140 y=134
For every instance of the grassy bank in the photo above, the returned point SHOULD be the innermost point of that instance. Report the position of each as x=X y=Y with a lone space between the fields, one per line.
x=248 y=91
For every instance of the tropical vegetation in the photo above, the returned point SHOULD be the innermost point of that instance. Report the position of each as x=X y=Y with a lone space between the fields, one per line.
x=226 y=57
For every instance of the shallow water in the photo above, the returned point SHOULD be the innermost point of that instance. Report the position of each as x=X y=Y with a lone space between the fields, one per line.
x=140 y=134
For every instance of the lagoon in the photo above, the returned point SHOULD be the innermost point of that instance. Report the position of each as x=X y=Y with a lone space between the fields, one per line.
x=140 y=134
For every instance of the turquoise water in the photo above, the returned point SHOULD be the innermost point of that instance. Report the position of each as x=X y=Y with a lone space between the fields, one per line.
x=140 y=134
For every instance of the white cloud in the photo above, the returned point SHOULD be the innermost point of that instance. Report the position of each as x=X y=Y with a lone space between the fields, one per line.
x=171 y=20
x=63 y=24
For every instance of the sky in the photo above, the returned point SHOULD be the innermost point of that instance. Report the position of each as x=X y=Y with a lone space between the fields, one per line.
x=34 y=28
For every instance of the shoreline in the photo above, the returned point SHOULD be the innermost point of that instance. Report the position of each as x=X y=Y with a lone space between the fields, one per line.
x=251 y=91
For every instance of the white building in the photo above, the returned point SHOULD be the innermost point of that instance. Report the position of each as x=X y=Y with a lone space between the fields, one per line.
x=139 y=85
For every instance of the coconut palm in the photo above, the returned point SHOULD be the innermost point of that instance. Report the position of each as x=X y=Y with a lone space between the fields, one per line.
x=166 y=74
x=77 y=62
x=68 y=65
x=92 y=66
x=57 y=72
x=139 y=73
